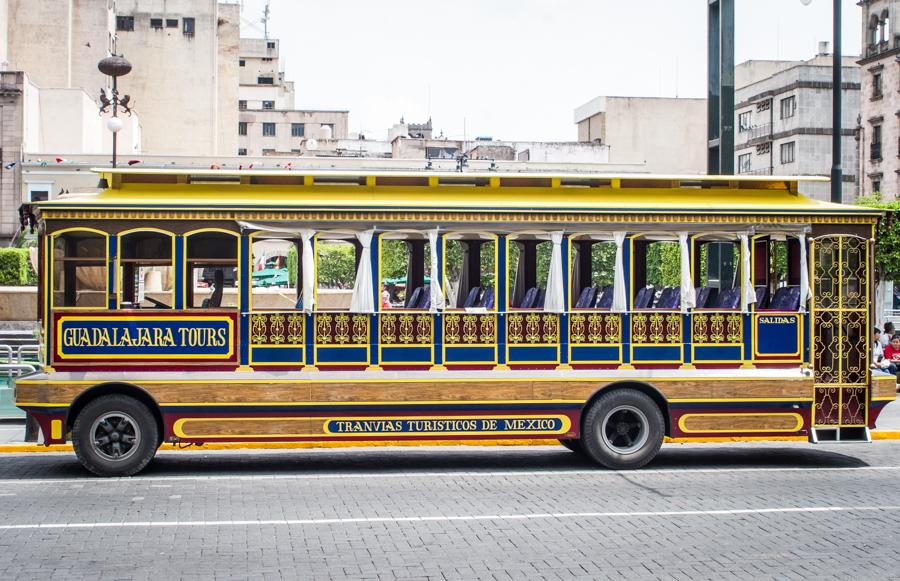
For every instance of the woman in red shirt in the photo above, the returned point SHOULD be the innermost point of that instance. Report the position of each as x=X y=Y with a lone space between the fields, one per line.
x=892 y=354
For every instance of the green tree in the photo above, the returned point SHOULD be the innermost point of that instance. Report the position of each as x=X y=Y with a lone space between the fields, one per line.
x=663 y=264
x=336 y=267
x=887 y=246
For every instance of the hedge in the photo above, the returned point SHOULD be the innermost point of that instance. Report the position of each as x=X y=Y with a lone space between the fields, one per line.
x=15 y=268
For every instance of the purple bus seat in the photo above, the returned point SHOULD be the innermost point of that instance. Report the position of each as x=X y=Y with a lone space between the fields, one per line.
x=414 y=298
x=472 y=297
x=604 y=298
x=586 y=298
x=728 y=299
x=762 y=296
x=541 y=297
x=528 y=299
x=670 y=298
x=702 y=296
x=487 y=299
x=787 y=298
x=425 y=299
x=643 y=298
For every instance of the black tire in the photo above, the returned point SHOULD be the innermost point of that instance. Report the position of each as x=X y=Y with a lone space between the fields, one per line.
x=115 y=435
x=573 y=444
x=623 y=430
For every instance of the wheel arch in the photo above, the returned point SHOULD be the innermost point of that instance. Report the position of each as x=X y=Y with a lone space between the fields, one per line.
x=110 y=388
x=640 y=386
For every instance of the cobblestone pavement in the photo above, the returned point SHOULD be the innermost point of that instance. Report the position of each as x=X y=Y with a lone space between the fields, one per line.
x=745 y=511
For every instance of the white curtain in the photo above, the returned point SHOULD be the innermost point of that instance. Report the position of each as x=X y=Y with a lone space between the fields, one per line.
x=620 y=299
x=688 y=296
x=554 y=301
x=308 y=265
x=437 y=293
x=748 y=293
x=804 y=273
x=361 y=300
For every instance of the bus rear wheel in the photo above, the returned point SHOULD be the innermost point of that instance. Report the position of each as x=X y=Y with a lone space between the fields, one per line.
x=623 y=430
x=115 y=435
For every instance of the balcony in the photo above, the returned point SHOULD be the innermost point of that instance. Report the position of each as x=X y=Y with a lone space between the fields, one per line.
x=761 y=132
x=762 y=171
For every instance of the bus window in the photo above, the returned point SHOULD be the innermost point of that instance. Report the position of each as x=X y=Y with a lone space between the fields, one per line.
x=717 y=274
x=776 y=272
x=528 y=267
x=336 y=263
x=405 y=273
x=212 y=273
x=470 y=269
x=276 y=274
x=79 y=269
x=656 y=274
x=146 y=271
x=593 y=273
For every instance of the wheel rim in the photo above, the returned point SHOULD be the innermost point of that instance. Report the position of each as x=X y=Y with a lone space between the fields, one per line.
x=624 y=429
x=115 y=436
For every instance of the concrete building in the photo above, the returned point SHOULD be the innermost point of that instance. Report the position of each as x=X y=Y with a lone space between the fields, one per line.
x=664 y=135
x=268 y=122
x=553 y=152
x=783 y=120
x=879 y=114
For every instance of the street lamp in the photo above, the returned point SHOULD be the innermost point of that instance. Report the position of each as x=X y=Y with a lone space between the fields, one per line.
x=837 y=172
x=114 y=66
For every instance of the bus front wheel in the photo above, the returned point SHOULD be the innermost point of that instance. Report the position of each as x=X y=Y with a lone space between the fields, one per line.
x=623 y=430
x=115 y=435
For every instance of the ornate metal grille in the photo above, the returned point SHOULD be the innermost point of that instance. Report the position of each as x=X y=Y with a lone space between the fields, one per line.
x=840 y=347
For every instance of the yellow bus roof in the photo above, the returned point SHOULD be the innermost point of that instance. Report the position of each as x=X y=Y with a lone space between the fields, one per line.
x=304 y=189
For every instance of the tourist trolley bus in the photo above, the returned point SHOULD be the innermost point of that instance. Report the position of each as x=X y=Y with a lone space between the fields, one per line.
x=606 y=311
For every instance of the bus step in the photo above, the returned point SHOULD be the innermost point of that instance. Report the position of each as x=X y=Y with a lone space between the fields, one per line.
x=847 y=435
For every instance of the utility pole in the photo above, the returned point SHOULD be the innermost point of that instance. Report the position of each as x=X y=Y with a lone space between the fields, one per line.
x=720 y=94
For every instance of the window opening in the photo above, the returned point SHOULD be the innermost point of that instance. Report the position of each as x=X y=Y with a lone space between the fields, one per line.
x=470 y=269
x=776 y=273
x=593 y=274
x=187 y=26
x=405 y=274
x=528 y=265
x=336 y=264
x=717 y=274
x=276 y=274
x=656 y=274
x=268 y=129
x=788 y=107
x=212 y=278
x=79 y=270
x=297 y=129
x=146 y=271
x=125 y=23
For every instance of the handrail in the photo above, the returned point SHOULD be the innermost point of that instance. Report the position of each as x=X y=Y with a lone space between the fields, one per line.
x=27 y=349
x=10 y=367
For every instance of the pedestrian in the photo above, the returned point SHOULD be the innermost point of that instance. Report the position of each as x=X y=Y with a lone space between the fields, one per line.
x=892 y=355
x=385 y=297
x=888 y=333
x=877 y=349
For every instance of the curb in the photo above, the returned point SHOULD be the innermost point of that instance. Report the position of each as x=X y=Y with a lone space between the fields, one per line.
x=20 y=448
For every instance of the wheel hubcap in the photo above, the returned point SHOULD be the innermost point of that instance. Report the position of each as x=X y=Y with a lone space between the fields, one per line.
x=115 y=436
x=624 y=429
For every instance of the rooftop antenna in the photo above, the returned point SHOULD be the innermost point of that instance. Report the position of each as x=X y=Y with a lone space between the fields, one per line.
x=265 y=20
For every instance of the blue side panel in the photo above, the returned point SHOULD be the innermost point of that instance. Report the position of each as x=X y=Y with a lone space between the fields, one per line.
x=286 y=355
x=564 y=317
x=470 y=355
x=348 y=355
x=438 y=318
x=501 y=297
x=626 y=318
x=374 y=253
x=406 y=355
x=777 y=335
x=595 y=354
x=112 y=272
x=245 y=269
x=179 y=272
x=656 y=354
x=717 y=353
x=532 y=354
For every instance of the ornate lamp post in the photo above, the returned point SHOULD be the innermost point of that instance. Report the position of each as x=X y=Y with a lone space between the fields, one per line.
x=115 y=67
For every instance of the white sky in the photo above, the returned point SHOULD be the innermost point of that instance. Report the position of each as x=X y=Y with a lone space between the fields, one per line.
x=516 y=69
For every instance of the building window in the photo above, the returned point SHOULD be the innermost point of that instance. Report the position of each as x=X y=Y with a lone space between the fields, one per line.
x=876 y=186
x=327 y=131
x=744 y=122
x=788 y=107
x=242 y=151
x=171 y=23
x=187 y=26
x=242 y=63
x=268 y=104
x=242 y=105
x=744 y=163
x=124 y=22
x=270 y=44
x=268 y=152
x=875 y=147
x=268 y=129
x=38 y=195
x=877 y=89
x=156 y=23
x=242 y=128
x=267 y=59
x=265 y=80
x=297 y=129
x=787 y=152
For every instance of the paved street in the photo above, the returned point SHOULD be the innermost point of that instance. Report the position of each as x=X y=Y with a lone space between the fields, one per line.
x=746 y=511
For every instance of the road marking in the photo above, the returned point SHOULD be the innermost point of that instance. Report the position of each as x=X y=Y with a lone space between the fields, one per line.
x=596 y=472
x=452 y=518
x=7 y=493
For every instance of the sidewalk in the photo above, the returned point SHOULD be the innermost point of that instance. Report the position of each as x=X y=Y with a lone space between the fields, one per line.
x=12 y=438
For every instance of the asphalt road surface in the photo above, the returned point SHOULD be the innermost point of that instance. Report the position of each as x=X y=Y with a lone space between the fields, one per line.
x=744 y=511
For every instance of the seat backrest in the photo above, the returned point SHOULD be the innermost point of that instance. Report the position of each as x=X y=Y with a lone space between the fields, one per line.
x=644 y=298
x=586 y=298
x=762 y=296
x=670 y=298
x=794 y=294
x=414 y=298
x=528 y=299
x=728 y=299
x=215 y=299
x=424 y=301
x=487 y=299
x=472 y=297
x=702 y=294
x=786 y=298
x=604 y=298
x=541 y=297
